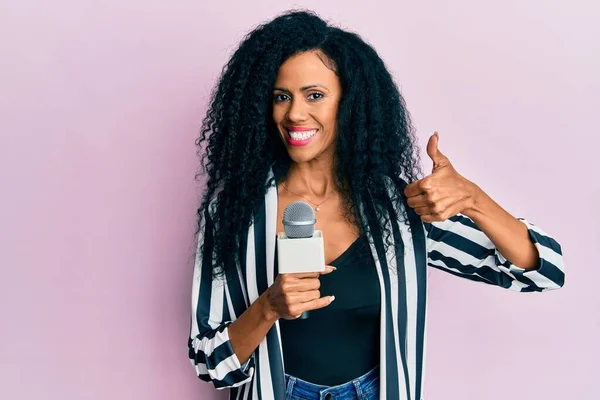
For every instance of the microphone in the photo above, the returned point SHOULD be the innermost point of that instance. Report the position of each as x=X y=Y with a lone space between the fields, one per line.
x=300 y=247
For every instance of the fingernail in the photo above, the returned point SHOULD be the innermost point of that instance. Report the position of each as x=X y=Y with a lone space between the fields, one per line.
x=332 y=267
x=331 y=298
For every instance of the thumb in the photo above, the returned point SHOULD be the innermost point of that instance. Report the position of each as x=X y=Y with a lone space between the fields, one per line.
x=438 y=158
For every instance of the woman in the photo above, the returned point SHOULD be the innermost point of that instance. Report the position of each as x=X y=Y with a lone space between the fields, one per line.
x=306 y=111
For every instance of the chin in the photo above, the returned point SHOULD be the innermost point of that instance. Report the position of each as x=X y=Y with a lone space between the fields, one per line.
x=300 y=156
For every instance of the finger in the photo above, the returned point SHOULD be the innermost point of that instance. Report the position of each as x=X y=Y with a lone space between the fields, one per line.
x=419 y=187
x=417 y=201
x=305 y=297
x=440 y=206
x=438 y=158
x=328 y=269
x=424 y=210
x=307 y=285
x=442 y=213
x=296 y=302
x=303 y=275
x=413 y=189
x=432 y=147
x=318 y=303
x=293 y=286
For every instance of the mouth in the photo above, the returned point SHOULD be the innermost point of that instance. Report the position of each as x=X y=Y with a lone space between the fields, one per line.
x=300 y=138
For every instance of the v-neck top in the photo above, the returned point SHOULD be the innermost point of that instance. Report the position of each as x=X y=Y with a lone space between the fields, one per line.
x=339 y=342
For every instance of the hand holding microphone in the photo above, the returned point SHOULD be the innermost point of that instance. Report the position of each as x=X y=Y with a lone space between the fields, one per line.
x=293 y=294
x=301 y=260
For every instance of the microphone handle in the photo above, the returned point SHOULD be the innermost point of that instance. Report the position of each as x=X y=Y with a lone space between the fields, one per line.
x=304 y=315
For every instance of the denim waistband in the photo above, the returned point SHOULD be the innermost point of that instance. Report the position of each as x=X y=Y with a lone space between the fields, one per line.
x=358 y=388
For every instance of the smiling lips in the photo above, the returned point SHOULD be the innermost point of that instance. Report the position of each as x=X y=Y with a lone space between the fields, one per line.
x=300 y=137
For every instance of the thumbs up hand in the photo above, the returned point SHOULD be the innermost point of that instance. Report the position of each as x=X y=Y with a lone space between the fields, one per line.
x=442 y=194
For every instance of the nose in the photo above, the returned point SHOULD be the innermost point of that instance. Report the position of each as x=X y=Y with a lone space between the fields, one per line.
x=297 y=111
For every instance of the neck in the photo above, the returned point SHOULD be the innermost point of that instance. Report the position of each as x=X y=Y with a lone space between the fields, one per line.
x=312 y=178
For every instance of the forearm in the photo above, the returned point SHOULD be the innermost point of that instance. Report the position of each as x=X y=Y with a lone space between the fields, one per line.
x=508 y=234
x=249 y=329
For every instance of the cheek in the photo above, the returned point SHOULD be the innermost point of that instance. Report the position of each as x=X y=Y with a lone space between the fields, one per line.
x=278 y=117
x=329 y=114
x=328 y=119
x=276 y=114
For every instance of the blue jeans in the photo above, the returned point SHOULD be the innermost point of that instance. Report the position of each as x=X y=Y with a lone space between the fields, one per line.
x=365 y=387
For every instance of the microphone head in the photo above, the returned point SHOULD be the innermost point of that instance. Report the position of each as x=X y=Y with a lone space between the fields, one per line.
x=299 y=220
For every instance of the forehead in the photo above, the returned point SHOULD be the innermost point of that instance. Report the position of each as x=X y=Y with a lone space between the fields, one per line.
x=306 y=68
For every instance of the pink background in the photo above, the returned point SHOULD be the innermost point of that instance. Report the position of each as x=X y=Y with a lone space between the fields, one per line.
x=100 y=103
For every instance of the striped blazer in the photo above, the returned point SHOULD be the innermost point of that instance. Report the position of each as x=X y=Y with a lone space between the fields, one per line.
x=455 y=245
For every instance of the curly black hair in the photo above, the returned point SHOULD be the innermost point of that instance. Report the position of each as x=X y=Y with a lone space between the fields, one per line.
x=375 y=144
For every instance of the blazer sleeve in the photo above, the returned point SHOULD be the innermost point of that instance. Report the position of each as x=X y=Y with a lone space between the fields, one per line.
x=210 y=350
x=459 y=247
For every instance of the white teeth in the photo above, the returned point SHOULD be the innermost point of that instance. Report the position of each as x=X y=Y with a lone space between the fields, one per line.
x=302 y=135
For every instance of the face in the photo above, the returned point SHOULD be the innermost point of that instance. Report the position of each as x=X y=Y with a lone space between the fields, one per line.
x=305 y=103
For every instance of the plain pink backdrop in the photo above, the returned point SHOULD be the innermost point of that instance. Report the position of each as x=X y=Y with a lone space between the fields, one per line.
x=100 y=104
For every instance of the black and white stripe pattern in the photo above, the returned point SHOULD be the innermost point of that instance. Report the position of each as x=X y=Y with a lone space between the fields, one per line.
x=458 y=246
x=455 y=245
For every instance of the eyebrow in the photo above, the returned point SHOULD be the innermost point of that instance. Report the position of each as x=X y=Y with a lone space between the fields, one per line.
x=303 y=88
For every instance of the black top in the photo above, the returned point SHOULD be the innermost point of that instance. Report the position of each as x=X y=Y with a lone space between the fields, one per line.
x=339 y=342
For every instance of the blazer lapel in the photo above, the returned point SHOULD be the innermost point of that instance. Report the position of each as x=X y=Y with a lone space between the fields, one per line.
x=271 y=232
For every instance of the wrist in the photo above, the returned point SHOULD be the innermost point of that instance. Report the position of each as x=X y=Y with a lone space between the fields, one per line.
x=268 y=312
x=476 y=203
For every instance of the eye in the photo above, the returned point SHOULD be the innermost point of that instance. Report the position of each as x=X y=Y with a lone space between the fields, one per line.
x=279 y=98
x=319 y=94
